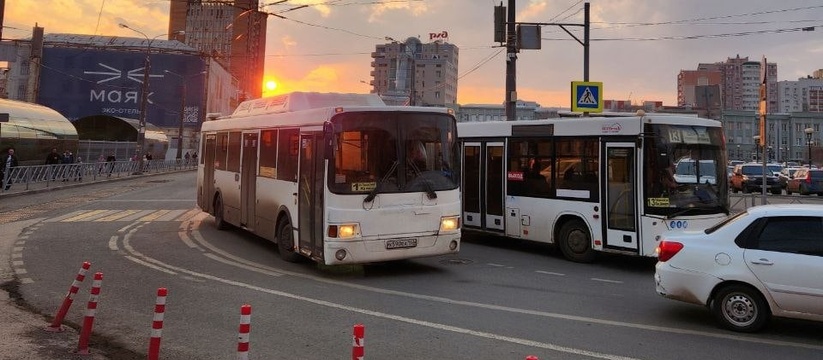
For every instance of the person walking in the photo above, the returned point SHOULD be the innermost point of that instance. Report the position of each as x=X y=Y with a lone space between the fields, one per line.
x=8 y=161
x=53 y=158
x=68 y=161
x=102 y=161
x=187 y=157
x=110 y=160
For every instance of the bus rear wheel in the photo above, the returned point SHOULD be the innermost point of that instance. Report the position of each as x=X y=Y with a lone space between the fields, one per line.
x=219 y=222
x=575 y=242
x=285 y=243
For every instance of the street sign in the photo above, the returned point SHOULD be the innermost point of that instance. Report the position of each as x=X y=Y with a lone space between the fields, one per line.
x=587 y=96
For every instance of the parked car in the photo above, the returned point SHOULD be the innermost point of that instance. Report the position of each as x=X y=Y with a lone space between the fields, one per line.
x=785 y=175
x=806 y=181
x=685 y=172
x=749 y=177
x=763 y=262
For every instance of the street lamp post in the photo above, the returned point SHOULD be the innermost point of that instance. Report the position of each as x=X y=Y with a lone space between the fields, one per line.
x=809 y=132
x=738 y=152
x=144 y=96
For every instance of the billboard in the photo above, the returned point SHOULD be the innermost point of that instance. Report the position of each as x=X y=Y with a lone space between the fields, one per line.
x=84 y=82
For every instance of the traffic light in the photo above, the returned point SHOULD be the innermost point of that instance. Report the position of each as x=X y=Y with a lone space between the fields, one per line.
x=500 y=23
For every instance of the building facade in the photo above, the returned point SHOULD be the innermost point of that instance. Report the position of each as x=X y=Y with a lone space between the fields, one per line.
x=802 y=95
x=231 y=32
x=414 y=73
x=786 y=136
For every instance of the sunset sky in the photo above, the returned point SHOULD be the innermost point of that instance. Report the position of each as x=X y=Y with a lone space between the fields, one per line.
x=637 y=49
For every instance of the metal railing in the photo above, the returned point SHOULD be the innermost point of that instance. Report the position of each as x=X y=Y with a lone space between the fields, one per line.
x=21 y=178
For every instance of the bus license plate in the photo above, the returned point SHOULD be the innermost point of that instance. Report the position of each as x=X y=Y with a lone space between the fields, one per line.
x=401 y=243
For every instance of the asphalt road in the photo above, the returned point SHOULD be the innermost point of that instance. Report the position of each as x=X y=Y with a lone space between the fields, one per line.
x=497 y=299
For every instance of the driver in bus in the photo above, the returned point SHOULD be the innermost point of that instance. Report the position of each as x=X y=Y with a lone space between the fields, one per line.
x=417 y=156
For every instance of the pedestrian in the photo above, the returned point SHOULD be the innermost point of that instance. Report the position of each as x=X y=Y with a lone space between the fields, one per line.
x=102 y=161
x=53 y=158
x=67 y=160
x=79 y=168
x=188 y=158
x=194 y=158
x=8 y=161
x=110 y=160
x=149 y=158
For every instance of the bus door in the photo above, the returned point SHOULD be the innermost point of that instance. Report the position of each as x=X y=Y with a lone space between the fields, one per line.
x=310 y=194
x=207 y=192
x=472 y=183
x=619 y=200
x=248 y=180
x=495 y=175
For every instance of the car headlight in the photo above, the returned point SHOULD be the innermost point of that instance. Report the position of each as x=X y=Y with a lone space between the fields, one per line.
x=449 y=223
x=343 y=231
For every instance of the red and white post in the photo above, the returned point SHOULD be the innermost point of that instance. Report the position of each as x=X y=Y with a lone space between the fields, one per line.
x=532 y=357
x=243 y=337
x=88 y=321
x=57 y=323
x=357 y=350
x=157 y=324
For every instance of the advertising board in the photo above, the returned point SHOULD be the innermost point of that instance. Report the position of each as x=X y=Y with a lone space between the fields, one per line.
x=81 y=82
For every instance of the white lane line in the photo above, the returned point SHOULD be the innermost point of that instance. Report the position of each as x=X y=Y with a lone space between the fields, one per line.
x=251 y=264
x=550 y=273
x=383 y=315
x=113 y=243
x=242 y=266
x=584 y=319
x=607 y=281
x=127 y=246
x=496 y=265
x=152 y=266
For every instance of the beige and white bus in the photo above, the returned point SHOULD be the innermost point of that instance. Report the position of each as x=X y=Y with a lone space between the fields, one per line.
x=337 y=178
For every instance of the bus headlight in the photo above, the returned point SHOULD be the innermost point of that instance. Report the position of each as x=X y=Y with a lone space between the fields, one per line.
x=449 y=223
x=343 y=231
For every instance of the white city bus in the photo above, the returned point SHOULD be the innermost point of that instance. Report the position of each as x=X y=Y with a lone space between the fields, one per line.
x=337 y=178
x=596 y=184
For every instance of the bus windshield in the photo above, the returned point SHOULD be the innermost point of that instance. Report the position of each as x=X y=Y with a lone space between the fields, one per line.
x=393 y=152
x=685 y=170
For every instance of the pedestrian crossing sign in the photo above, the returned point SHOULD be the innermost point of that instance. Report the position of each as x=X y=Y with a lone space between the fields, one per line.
x=587 y=96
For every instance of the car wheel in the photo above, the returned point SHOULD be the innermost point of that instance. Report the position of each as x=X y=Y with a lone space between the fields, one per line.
x=740 y=308
x=219 y=221
x=734 y=189
x=777 y=191
x=285 y=242
x=575 y=242
x=788 y=192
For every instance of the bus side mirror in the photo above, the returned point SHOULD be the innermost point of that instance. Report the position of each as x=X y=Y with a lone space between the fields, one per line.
x=328 y=139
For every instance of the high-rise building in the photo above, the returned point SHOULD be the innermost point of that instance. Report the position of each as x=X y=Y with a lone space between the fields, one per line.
x=415 y=73
x=231 y=32
x=741 y=84
x=688 y=82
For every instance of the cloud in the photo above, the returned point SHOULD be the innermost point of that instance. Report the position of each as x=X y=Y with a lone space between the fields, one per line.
x=415 y=8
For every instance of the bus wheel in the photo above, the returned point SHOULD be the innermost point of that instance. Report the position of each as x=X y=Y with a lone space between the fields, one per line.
x=285 y=243
x=219 y=222
x=575 y=242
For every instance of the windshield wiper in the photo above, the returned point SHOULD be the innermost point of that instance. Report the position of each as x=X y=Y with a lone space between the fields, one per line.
x=428 y=187
x=373 y=193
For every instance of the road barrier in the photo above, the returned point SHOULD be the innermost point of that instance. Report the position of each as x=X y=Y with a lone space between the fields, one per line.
x=532 y=357
x=23 y=178
x=243 y=337
x=88 y=321
x=57 y=323
x=157 y=324
x=357 y=350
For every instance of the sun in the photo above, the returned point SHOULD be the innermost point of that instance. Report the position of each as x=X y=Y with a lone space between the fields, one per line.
x=271 y=85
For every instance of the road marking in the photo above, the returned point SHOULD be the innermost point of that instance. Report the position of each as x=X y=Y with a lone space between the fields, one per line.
x=607 y=281
x=549 y=273
x=118 y=216
x=82 y=216
x=154 y=216
x=113 y=243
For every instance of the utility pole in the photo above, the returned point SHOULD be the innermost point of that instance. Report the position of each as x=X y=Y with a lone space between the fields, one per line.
x=511 y=66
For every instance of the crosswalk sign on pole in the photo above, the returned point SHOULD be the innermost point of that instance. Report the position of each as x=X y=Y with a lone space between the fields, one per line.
x=587 y=96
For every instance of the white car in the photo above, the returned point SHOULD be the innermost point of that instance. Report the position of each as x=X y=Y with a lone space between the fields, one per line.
x=766 y=261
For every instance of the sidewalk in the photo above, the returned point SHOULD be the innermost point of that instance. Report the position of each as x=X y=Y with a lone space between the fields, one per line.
x=22 y=334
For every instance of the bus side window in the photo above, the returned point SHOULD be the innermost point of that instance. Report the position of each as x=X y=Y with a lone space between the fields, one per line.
x=287 y=151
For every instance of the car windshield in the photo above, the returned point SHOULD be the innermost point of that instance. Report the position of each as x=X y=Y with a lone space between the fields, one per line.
x=756 y=170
